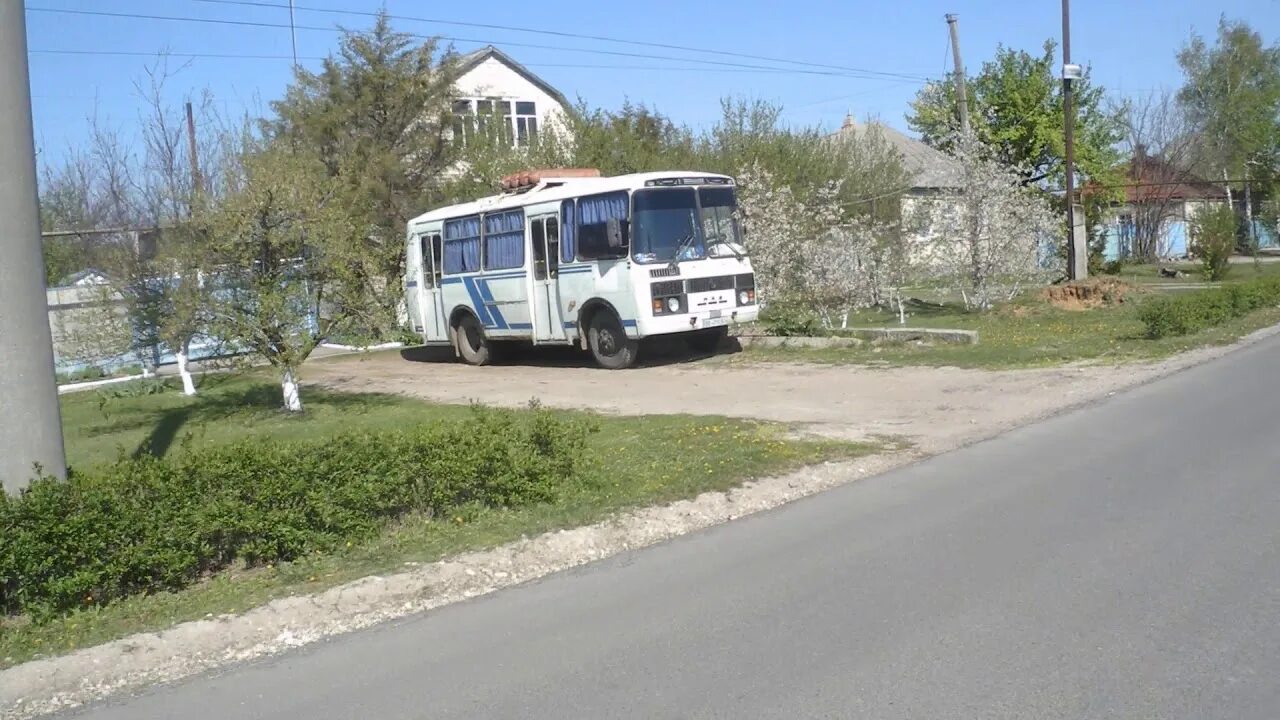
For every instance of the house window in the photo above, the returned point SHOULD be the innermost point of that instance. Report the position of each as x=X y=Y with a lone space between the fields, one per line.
x=464 y=120
x=526 y=123
x=506 y=121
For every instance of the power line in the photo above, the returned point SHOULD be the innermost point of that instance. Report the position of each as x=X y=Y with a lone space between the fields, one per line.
x=579 y=36
x=253 y=23
x=242 y=56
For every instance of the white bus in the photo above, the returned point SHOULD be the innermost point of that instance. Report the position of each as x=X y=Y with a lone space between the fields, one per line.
x=598 y=262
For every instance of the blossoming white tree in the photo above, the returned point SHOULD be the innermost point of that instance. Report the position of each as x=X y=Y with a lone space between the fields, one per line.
x=989 y=240
x=814 y=253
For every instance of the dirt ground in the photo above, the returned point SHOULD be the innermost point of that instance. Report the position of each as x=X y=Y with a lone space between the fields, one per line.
x=935 y=408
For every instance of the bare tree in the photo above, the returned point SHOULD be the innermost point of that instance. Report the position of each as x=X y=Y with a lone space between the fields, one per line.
x=1161 y=143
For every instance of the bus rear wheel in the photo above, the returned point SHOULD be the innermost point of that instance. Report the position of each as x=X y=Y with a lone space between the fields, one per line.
x=610 y=346
x=472 y=344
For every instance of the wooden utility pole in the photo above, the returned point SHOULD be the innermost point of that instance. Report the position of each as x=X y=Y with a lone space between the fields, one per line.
x=962 y=92
x=196 y=181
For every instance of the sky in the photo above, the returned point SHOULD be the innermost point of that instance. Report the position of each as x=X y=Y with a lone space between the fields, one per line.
x=865 y=58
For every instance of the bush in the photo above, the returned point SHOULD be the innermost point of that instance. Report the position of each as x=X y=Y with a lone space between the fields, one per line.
x=1213 y=240
x=1183 y=314
x=790 y=319
x=148 y=524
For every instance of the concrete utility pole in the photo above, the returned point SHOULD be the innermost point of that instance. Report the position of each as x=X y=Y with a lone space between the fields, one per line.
x=1077 y=252
x=962 y=92
x=30 y=423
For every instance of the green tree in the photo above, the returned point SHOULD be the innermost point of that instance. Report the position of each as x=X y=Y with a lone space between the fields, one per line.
x=1213 y=238
x=1016 y=113
x=1016 y=110
x=1232 y=93
x=377 y=117
x=286 y=260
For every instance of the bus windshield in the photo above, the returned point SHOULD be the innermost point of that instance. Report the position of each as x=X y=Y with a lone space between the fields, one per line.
x=667 y=221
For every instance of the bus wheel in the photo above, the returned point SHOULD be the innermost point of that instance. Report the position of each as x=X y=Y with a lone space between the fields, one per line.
x=472 y=344
x=707 y=342
x=610 y=346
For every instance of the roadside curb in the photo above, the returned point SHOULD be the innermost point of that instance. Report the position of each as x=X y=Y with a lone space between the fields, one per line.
x=854 y=337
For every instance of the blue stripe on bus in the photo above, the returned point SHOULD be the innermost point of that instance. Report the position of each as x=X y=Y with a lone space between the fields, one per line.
x=570 y=325
x=628 y=323
x=450 y=280
x=486 y=295
x=521 y=326
x=411 y=283
x=482 y=312
x=575 y=269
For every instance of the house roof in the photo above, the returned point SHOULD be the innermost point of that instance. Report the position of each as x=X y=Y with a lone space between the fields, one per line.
x=1154 y=179
x=469 y=61
x=930 y=168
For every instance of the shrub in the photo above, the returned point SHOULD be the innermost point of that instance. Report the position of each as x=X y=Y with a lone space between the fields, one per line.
x=1213 y=240
x=1183 y=314
x=148 y=524
x=788 y=318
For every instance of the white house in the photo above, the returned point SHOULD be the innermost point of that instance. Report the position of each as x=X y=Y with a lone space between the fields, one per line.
x=492 y=83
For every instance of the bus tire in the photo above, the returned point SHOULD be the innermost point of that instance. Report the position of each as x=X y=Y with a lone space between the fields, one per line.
x=707 y=342
x=473 y=346
x=609 y=343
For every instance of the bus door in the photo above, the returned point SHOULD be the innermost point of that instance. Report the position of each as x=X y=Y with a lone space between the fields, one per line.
x=434 y=328
x=548 y=325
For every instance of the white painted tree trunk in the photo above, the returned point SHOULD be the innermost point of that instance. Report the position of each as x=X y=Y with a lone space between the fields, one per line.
x=188 y=385
x=289 y=386
x=902 y=312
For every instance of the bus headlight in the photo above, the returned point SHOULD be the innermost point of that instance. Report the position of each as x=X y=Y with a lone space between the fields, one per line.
x=746 y=297
x=673 y=304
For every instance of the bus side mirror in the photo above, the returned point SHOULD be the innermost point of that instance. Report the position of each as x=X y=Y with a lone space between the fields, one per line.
x=614 y=231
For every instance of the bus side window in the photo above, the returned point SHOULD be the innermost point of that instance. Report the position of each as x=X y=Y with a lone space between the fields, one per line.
x=553 y=247
x=537 y=235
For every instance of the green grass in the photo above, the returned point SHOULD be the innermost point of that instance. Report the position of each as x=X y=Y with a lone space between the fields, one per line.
x=633 y=461
x=1022 y=334
x=1149 y=274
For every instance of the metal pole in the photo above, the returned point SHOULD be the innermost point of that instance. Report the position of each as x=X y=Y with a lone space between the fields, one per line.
x=1069 y=122
x=293 y=36
x=962 y=92
x=31 y=426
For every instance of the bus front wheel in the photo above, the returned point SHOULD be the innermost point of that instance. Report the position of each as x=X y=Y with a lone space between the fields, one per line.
x=472 y=344
x=609 y=343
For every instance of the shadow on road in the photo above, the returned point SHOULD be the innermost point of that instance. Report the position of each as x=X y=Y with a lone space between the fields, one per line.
x=654 y=352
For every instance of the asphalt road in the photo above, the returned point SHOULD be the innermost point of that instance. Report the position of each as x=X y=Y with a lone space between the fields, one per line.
x=1122 y=561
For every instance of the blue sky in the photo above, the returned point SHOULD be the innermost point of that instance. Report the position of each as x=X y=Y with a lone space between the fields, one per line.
x=1129 y=43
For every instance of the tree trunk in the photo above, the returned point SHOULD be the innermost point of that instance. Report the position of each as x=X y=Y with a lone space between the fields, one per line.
x=289 y=387
x=188 y=385
x=1248 y=219
x=1227 y=184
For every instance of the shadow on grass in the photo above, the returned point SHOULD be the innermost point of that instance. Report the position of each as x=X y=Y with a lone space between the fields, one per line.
x=251 y=401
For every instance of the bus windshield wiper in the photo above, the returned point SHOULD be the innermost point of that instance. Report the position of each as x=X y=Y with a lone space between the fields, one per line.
x=685 y=242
